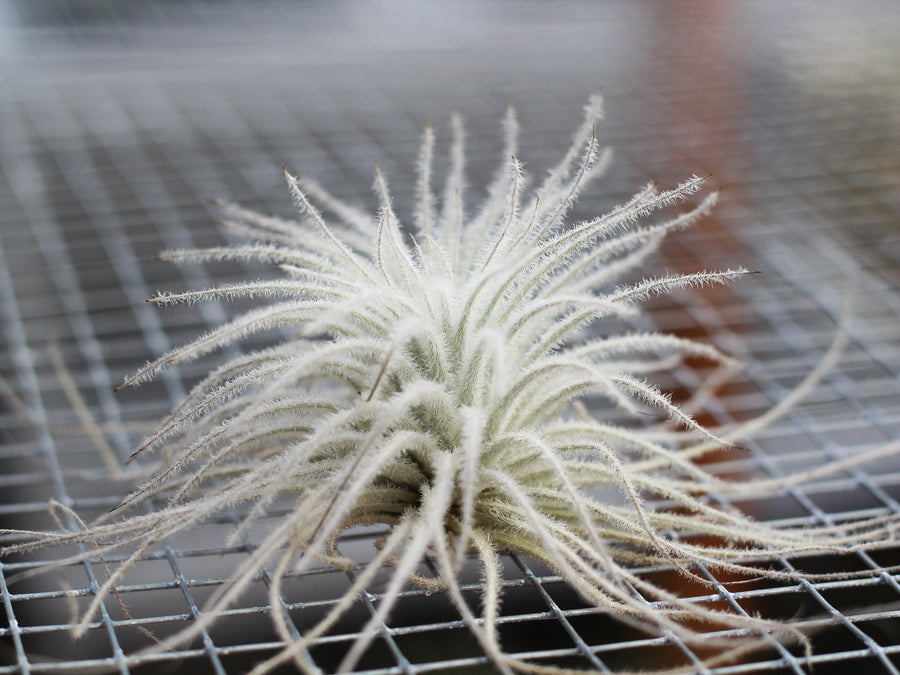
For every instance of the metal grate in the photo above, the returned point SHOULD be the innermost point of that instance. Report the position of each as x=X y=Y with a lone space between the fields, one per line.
x=119 y=120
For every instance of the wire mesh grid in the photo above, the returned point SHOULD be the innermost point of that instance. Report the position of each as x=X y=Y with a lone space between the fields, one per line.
x=118 y=121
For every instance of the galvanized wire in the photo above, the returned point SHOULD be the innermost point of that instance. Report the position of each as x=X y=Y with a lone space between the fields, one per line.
x=119 y=121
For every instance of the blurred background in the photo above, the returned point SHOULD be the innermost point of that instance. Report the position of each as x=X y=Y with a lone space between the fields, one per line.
x=120 y=120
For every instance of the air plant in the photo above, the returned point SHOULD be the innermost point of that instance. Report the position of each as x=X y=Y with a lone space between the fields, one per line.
x=434 y=383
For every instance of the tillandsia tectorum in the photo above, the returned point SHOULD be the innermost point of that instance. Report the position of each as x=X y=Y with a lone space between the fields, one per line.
x=433 y=384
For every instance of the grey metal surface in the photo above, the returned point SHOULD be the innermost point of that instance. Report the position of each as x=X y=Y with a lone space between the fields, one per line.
x=118 y=121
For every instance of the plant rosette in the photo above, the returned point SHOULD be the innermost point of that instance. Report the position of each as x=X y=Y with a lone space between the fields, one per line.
x=433 y=384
